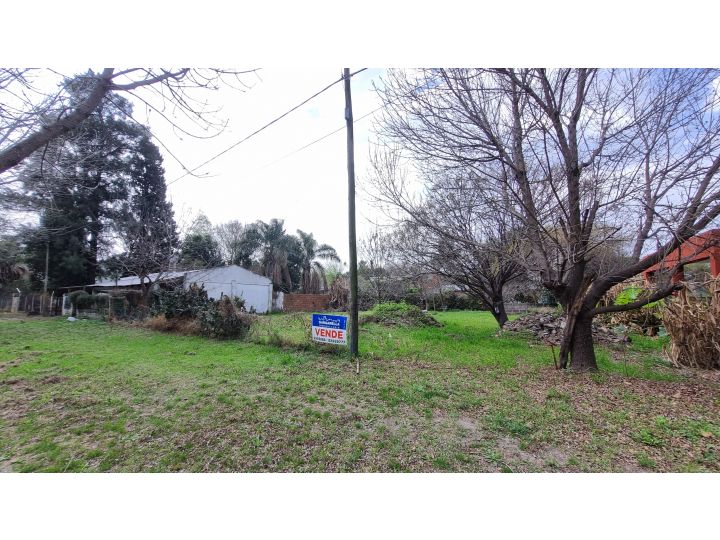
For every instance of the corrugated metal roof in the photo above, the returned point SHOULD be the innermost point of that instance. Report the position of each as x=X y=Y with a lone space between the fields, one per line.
x=135 y=280
x=219 y=274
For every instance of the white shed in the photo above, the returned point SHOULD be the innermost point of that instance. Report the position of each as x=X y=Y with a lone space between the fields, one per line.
x=222 y=280
x=234 y=281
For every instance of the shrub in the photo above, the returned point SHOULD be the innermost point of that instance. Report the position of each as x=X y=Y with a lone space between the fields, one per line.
x=190 y=311
x=399 y=314
x=459 y=302
x=223 y=320
x=85 y=301
x=547 y=298
x=77 y=300
x=239 y=302
x=182 y=303
x=645 y=320
x=101 y=303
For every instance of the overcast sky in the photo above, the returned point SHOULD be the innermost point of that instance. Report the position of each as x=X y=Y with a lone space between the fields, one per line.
x=308 y=188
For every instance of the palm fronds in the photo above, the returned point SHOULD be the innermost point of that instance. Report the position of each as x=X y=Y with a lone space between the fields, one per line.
x=12 y=271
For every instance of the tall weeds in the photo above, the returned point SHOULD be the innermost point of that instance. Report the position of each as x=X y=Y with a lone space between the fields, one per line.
x=693 y=325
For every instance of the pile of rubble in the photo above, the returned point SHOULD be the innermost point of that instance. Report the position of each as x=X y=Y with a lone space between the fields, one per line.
x=548 y=328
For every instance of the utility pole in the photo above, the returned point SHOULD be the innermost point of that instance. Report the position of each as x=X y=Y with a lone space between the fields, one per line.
x=351 y=221
x=47 y=271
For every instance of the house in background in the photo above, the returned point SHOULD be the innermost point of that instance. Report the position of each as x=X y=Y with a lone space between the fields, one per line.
x=701 y=256
x=231 y=281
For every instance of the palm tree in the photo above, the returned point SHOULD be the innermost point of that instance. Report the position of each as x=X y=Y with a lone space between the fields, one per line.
x=10 y=271
x=313 y=272
x=275 y=244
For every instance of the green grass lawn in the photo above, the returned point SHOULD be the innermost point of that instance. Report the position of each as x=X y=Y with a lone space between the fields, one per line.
x=92 y=396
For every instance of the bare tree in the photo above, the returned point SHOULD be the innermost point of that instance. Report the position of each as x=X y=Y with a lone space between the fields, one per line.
x=31 y=116
x=238 y=242
x=149 y=256
x=449 y=230
x=584 y=156
x=376 y=251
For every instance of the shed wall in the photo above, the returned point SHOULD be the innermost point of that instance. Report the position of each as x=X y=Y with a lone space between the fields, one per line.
x=235 y=281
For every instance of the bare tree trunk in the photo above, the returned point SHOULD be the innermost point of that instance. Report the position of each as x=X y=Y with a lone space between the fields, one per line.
x=582 y=350
x=286 y=276
x=498 y=311
x=146 y=290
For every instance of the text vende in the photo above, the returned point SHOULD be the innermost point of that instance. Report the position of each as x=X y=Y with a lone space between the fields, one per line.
x=329 y=333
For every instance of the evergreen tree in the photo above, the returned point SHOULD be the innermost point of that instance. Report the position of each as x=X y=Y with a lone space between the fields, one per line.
x=78 y=185
x=147 y=226
x=199 y=250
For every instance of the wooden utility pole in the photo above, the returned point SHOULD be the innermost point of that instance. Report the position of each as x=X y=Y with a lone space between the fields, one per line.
x=47 y=271
x=351 y=220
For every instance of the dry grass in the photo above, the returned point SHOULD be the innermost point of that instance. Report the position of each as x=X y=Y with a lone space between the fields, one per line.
x=694 y=328
x=181 y=325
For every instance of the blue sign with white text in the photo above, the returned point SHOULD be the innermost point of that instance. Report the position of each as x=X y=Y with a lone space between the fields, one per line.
x=329 y=328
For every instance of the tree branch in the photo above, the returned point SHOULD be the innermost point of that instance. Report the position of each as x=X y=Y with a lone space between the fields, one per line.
x=16 y=153
x=658 y=295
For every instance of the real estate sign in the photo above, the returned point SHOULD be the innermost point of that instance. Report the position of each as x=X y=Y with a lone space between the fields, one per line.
x=329 y=328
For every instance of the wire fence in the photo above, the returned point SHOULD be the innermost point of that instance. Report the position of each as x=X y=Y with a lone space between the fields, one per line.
x=31 y=304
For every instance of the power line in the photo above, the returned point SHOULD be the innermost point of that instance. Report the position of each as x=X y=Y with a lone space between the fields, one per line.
x=150 y=133
x=265 y=126
x=338 y=130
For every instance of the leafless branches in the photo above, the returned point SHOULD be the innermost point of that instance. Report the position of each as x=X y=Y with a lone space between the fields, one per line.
x=584 y=159
x=31 y=116
x=450 y=229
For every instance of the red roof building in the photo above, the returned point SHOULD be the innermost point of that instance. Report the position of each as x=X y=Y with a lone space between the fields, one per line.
x=700 y=255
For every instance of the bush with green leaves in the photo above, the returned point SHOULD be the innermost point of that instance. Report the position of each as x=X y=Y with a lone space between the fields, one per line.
x=646 y=319
x=239 y=302
x=100 y=300
x=399 y=314
x=182 y=303
x=458 y=301
x=223 y=320
x=78 y=300
x=75 y=296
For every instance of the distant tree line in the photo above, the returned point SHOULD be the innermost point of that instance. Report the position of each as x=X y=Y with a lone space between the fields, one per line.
x=98 y=188
x=294 y=262
x=98 y=193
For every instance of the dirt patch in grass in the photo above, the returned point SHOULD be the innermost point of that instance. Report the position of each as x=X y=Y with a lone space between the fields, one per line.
x=511 y=453
x=52 y=379
x=17 y=401
x=620 y=418
x=468 y=424
x=10 y=364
